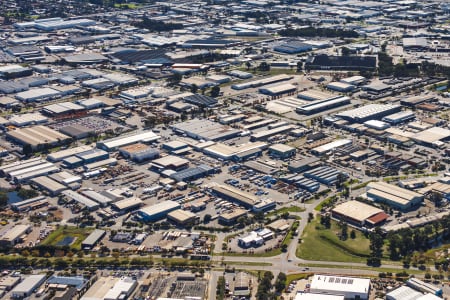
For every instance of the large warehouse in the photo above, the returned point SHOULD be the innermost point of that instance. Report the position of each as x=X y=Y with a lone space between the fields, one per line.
x=351 y=288
x=318 y=106
x=37 y=136
x=241 y=197
x=28 y=286
x=393 y=195
x=369 y=112
x=157 y=211
x=205 y=130
x=93 y=238
x=124 y=140
x=359 y=214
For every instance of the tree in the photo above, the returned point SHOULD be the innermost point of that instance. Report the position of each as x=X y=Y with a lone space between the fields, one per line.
x=284 y=247
x=27 y=149
x=344 y=230
x=345 y=51
x=207 y=218
x=248 y=65
x=376 y=248
x=215 y=91
x=353 y=234
x=280 y=283
x=194 y=88
x=340 y=179
x=299 y=66
x=27 y=194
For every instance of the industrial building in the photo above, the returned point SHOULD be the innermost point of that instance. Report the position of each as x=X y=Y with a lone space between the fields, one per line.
x=255 y=238
x=158 y=211
x=191 y=174
x=205 y=130
x=432 y=136
x=349 y=287
x=62 y=154
x=393 y=195
x=324 y=149
x=139 y=152
x=169 y=162
x=359 y=214
x=38 y=94
x=30 y=284
x=97 y=197
x=240 y=197
x=261 y=82
x=310 y=296
x=318 y=106
x=282 y=151
x=37 y=137
x=265 y=134
x=183 y=217
x=329 y=62
x=15 y=235
x=304 y=164
x=124 y=140
x=405 y=293
x=236 y=153
x=277 y=90
x=53 y=187
x=369 y=112
x=29 y=204
x=293 y=47
x=28 y=119
x=80 y=199
x=325 y=175
x=400 y=117
x=61 y=109
x=341 y=87
x=230 y=218
x=93 y=239
x=111 y=288
x=127 y=204
x=424 y=287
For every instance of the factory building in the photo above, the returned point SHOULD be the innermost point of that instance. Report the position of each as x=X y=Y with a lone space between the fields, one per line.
x=282 y=151
x=318 y=106
x=349 y=287
x=304 y=164
x=183 y=217
x=93 y=239
x=194 y=173
x=53 y=187
x=341 y=87
x=406 y=293
x=325 y=175
x=124 y=140
x=278 y=90
x=139 y=152
x=205 y=130
x=37 y=137
x=15 y=235
x=240 y=197
x=169 y=162
x=111 y=288
x=81 y=200
x=324 y=149
x=28 y=119
x=127 y=204
x=38 y=94
x=293 y=47
x=261 y=82
x=236 y=153
x=393 y=195
x=30 y=284
x=359 y=214
x=424 y=287
x=62 y=154
x=400 y=117
x=29 y=204
x=265 y=134
x=230 y=218
x=369 y=112
x=158 y=211
x=97 y=197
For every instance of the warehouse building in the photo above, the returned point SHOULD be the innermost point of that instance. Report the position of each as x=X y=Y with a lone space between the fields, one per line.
x=400 y=117
x=261 y=82
x=369 y=112
x=62 y=108
x=205 y=130
x=313 y=95
x=393 y=195
x=28 y=119
x=406 y=293
x=139 y=152
x=158 y=211
x=349 y=287
x=424 y=287
x=97 y=197
x=93 y=239
x=30 y=170
x=19 y=165
x=80 y=199
x=125 y=140
x=282 y=151
x=14 y=71
x=304 y=164
x=265 y=134
x=111 y=288
x=15 y=235
x=183 y=217
x=38 y=94
x=30 y=284
x=329 y=62
x=92 y=156
x=318 y=106
x=325 y=175
x=293 y=47
x=242 y=198
x=310 y=296
x=201 y=100
x=194 y=173
x=176 y=147
x=53 y=187
x=29 y=204
x=230 y=218
x=236 y=153
x=324 y=149
x=169 y=162
x=278 y=90
x=359 y=214
x=127 y=204
x=77 y=131
x=240 y=74
x=341 y=87
x=37 y=137
x=62 y=154
x=432 y=137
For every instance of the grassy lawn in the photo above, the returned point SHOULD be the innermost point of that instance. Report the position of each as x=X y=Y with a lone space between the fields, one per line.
x=324 y=245
x=291 y=277
x=285 y=209
x=79 y=234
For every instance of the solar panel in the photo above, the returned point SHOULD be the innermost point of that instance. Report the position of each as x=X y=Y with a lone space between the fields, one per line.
x=350 y=281
x=344 y=281
x=331 y=280
x=338 y=280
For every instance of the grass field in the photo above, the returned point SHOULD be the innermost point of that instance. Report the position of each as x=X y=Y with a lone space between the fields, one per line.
x=286 y=209
x=79 y=234
x=323 y=244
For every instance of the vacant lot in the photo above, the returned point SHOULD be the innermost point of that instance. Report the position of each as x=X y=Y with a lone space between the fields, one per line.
x=324 y=244
x=67 y=236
